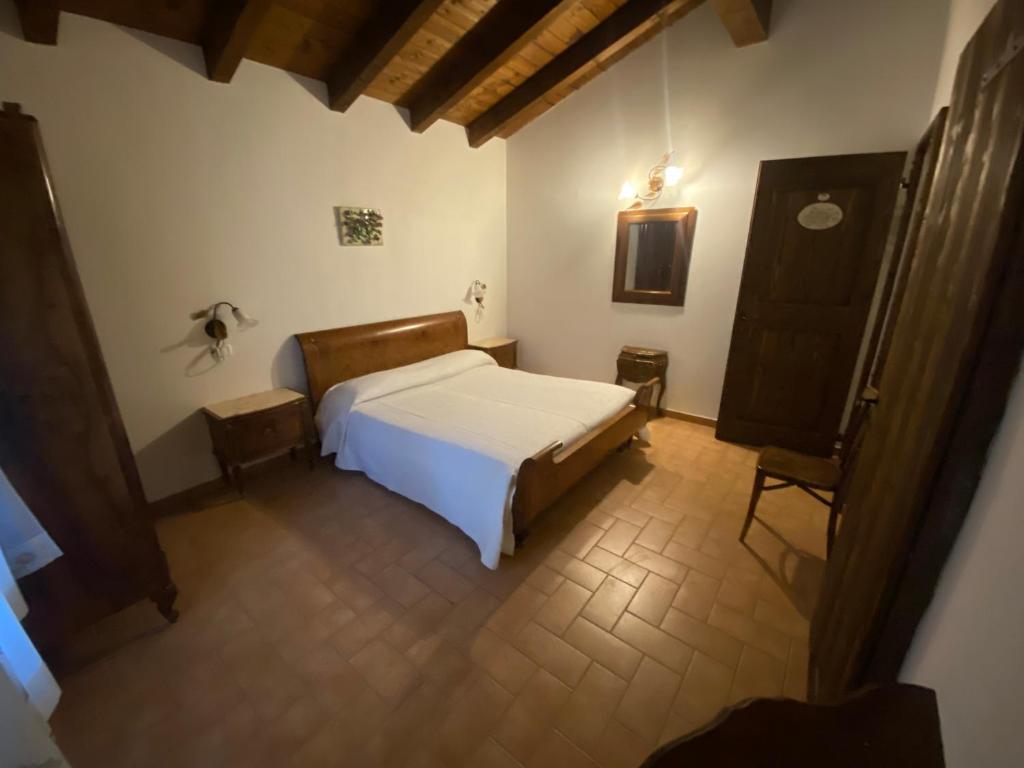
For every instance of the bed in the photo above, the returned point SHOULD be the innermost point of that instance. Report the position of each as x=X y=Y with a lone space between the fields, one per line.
x=407 y=403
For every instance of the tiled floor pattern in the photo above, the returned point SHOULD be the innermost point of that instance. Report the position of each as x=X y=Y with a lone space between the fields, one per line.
x=328 y=622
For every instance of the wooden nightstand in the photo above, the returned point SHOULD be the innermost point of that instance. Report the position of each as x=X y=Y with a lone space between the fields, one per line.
x=640 y=364
x=504 y=351
x=249 y=429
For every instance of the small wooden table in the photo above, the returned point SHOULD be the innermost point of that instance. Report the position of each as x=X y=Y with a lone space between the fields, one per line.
x=640 y=364
x=504 y=351
x=256 y=427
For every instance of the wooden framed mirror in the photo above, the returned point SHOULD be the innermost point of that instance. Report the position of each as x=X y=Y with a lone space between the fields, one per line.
x=652 y=255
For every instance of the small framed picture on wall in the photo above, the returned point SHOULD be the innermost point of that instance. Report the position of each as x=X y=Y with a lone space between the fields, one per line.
x=359 y=226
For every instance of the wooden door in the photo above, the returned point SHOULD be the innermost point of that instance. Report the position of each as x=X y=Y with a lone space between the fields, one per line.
x=954 y=354
x=816 y=240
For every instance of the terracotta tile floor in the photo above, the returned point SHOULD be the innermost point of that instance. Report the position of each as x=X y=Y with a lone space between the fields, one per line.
x=328 y=622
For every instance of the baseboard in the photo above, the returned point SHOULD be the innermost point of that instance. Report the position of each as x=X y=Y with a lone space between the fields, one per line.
x=692 y=418
x=214 y=492
x=208 y=494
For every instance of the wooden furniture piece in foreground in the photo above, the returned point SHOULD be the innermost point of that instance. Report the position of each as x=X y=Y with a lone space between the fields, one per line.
x=339 y=354
x=955 y=353
x=892 y=726
x=639 y=364
x=812 y=474
x=256 y=427
x=652 y=255
x=62 y=443
x=504 y=351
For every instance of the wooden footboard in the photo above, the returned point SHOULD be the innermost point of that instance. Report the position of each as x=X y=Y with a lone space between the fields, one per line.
x=546 y=475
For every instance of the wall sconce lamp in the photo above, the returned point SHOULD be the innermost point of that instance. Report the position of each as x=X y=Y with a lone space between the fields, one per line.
x=216 y=326
x=664 y=174
x=475 y=295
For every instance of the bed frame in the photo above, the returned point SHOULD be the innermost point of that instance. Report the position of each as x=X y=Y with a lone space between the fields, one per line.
x=339 y=354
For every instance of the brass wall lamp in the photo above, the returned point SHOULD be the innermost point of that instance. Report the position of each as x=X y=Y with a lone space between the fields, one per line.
x=663 y=174
x=216 y=326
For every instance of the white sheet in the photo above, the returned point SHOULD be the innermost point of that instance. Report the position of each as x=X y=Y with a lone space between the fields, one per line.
x=451 y=432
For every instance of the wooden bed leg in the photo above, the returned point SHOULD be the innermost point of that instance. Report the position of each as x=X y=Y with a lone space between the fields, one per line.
x=625 y=446
x=520 y=537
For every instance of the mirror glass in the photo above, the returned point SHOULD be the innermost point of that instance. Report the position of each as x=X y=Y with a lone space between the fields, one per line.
x=649 y=256
x=652 y=255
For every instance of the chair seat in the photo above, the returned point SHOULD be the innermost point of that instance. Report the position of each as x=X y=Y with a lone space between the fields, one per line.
x=791 y=466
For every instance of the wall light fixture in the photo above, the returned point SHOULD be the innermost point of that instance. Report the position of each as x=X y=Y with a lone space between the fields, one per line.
x=216 y=326
x=664 y=174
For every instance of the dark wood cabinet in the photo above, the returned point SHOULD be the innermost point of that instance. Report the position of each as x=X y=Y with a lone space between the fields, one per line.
x=62 y=441
x=641 y=364
x=256 y=427
x=955 y=351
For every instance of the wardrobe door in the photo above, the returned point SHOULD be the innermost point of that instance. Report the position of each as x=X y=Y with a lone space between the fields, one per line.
x=62 y=442
x=955 y=352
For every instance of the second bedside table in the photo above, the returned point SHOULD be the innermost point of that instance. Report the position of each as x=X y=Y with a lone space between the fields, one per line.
x=639 y=364
x=504 y=351
x=255 y=427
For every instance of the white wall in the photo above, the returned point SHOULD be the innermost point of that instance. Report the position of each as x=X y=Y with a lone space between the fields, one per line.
x=178 y=192
x=835 y=77
x=970 y=645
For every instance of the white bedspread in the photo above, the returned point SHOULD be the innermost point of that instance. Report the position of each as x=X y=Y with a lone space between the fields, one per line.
x=450 y=433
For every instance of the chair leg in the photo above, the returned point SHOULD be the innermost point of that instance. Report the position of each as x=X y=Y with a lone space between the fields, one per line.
x=755 y=494
x=830 y=537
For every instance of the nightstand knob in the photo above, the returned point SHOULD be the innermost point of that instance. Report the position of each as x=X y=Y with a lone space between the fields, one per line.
x=268 y=430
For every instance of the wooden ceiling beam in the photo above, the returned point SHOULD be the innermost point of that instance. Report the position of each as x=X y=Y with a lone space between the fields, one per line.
x=489 y=45
x=746 y=20
x=230 y=31
x=612 y=33
x=386 y=33
x=39 y=20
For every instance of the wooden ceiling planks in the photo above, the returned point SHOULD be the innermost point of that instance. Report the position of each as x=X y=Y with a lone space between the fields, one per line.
x=596 y=49
x=448 y=25
x=481 y=52
x=182 y=20
x=376 y=44
x=491 y=65
x=229 y=34
x=298 y=43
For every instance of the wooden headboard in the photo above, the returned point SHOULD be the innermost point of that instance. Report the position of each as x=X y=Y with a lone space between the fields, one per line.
x=340 y=354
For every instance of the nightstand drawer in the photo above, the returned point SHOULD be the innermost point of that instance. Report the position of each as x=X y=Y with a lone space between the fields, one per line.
x=632 y=369
x=259 y=426
x=255 y=435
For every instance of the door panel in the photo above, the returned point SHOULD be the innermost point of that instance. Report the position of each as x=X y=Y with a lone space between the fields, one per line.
x=816 y=241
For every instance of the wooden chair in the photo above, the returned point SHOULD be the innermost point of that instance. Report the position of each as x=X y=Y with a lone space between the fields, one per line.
x=813 y=474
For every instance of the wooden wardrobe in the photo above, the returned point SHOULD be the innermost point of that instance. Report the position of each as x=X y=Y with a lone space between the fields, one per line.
x=947 y=362
x=62 y=443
